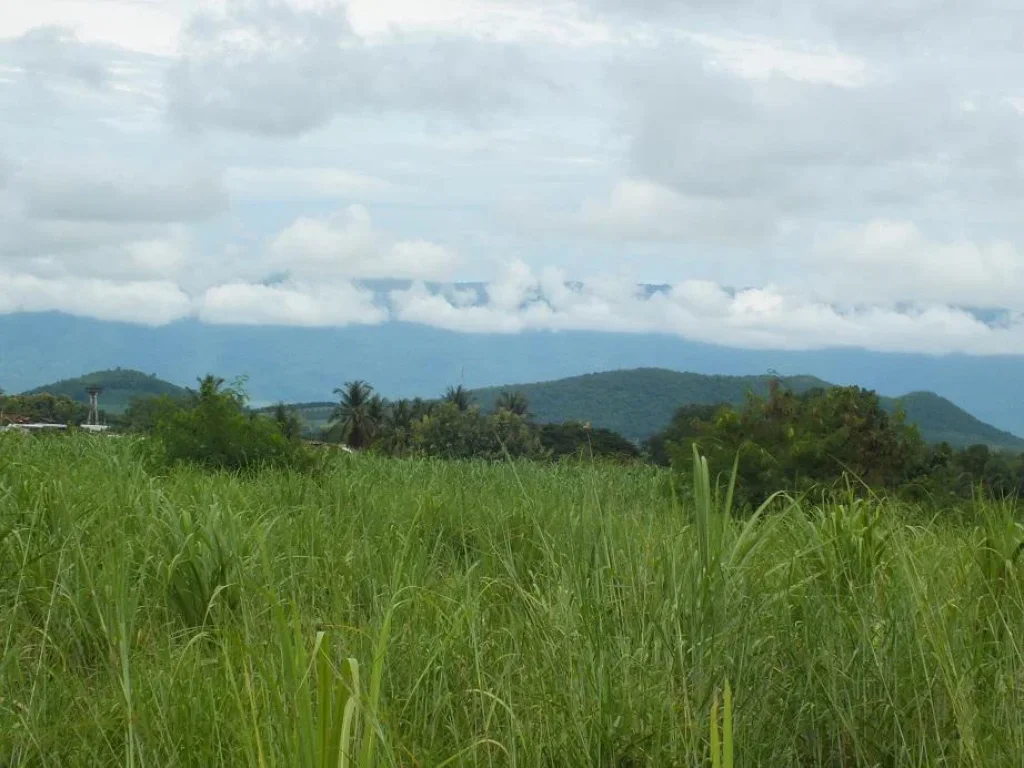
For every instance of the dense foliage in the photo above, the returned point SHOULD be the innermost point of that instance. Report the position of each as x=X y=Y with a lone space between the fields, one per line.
x=428 y=613
x=583 y=441
x=797 y=442
x=44 y=408
x=216 y=430
x=454 y=427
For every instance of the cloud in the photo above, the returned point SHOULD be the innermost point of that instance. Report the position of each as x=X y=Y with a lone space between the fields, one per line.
x=888 y=261
x=273 y=68
x=302 y=183
x=347 y=245
x=55 y=52
x=120 y=220
x=766 y=317
x=145 y=302
x=637 y=209
x=297 y=304
x=106 y=189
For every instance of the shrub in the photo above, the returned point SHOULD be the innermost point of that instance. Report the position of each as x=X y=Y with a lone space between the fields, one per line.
x=216 y=431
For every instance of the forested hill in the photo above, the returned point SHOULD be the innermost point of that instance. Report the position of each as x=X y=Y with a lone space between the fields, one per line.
x=941 y=421
x=120 y=387
x=637 y=403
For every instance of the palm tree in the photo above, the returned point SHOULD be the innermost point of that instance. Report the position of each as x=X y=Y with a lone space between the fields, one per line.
x=460 y=397
x=354 y=416
x=288 y=421
x=209 y=386
x=397 y=427
x=513 y=402
x=420 y=408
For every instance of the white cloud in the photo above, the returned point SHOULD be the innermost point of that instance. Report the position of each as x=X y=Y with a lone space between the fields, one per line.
x=146 y=302
x=347 y=245
x=637 y=209
x=768 y=317
x=761 y=59
x=300 y=304
x=892 y=261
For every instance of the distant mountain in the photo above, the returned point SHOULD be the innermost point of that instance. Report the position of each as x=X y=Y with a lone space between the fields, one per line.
x=120 y=387
x=638 y=403
x=635 y=403
x=406 y=360
x=942 y=421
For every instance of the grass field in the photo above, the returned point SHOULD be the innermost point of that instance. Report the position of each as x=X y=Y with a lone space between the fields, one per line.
x=421 y=613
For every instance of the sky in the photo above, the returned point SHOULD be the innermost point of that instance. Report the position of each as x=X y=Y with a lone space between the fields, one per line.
x=788 y=175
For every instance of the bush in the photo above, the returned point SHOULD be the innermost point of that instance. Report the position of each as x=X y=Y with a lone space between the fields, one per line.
x=451 y=433
x=216 y=431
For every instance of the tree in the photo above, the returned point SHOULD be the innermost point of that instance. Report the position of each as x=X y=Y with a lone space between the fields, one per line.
x=209 y=385
x=355 y=414
x=144 y=413
x=216 y=430
x=288 y=421
x=460 y=397
x=513 y=402
x=795 y=442
x=452 y=433
x=572 y=438
x=395 y=434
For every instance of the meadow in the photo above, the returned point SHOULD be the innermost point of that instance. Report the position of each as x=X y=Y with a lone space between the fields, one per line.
x=439 y=613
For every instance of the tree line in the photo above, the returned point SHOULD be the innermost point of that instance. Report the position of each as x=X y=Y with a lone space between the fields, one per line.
x=781 y=441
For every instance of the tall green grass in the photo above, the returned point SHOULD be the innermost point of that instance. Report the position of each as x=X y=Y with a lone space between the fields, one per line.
x=422 y=613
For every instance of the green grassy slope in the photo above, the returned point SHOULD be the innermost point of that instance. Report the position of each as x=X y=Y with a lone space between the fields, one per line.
x=637 y=403
x=120 y=386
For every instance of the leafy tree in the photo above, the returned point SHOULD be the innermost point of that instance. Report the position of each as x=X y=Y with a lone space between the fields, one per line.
x=793 y=442
x=46 y=408
x=216 y=430
x=577 y=439
x=452 y=433
x=144 y=413
x=356 y=416
x=688 y=423
x=513 y=402
x=460 y=397
x=288 y=421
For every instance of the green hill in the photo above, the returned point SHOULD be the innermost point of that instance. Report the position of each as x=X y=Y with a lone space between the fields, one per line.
x=941 y=421
x=120 y=387
x=637 y=403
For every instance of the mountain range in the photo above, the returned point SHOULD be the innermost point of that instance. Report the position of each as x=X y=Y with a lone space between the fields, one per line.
x=405 y=360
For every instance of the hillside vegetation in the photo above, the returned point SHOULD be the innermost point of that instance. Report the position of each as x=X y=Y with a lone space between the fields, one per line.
x=637 y=403
x=428 y=613
x=120 y=387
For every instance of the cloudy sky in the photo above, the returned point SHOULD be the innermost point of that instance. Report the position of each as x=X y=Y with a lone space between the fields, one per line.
x=790 y=174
